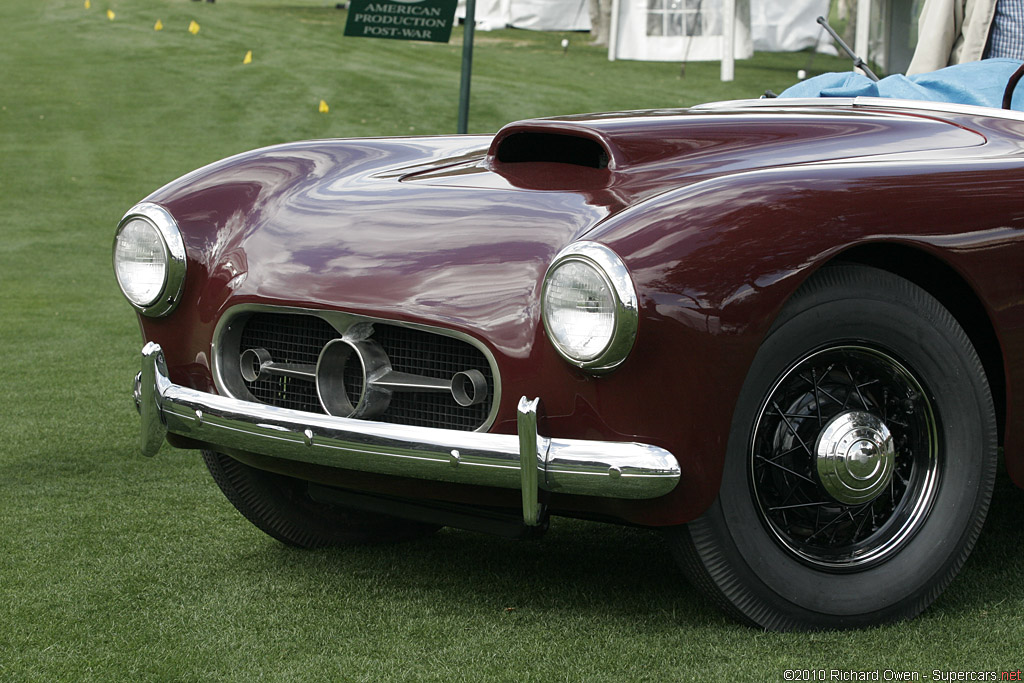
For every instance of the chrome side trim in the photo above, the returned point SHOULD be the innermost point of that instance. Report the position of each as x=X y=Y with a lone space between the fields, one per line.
x=861 y=101
x=776 y=103
x=592 y=468
x=928 y=106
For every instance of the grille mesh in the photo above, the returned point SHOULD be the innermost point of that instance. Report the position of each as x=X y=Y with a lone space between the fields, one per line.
x=433 y=355
x=298 y=338
x=289 y=339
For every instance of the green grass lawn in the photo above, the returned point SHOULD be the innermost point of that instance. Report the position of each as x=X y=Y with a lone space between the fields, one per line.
x=112 y=566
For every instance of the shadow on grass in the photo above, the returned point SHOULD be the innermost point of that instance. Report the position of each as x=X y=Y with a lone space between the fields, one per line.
x=577 y=567
x=582 y=567
x=994 y=574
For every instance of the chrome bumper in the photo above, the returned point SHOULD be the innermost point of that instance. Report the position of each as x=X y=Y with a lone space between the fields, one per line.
x=528 y=462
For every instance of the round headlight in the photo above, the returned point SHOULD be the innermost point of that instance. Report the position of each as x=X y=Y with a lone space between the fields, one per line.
x=149 y=259
x=579 y=310
x=140 y=260
x=589 y=306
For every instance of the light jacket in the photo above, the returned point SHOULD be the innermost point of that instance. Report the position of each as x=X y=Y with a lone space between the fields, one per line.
x=951 y=32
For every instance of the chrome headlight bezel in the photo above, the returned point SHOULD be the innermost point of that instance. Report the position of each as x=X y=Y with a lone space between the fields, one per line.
x=610 y=268
x=173 y=253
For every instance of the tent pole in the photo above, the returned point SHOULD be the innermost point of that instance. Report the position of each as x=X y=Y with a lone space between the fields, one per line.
x=862 y=37
x=729 y=40
x=613 y=32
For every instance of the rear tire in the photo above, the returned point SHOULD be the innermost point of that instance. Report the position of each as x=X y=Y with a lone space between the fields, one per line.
x=281 y=507
x=860 y=463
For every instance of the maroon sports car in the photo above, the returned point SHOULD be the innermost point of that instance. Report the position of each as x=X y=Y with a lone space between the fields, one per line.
x=786 y=332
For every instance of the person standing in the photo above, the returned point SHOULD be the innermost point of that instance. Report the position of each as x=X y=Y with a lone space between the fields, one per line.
x=957 y=31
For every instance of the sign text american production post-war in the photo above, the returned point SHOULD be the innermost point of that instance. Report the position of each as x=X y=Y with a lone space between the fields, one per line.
x=429 y=20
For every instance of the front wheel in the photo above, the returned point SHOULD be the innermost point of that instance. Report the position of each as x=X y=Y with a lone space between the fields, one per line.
x=860 y=463
x=281 y=507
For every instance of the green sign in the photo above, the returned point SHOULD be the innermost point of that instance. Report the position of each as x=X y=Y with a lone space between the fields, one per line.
x=401 y=19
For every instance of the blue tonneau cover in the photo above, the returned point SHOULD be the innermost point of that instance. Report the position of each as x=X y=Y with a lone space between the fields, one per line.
x=980 y=83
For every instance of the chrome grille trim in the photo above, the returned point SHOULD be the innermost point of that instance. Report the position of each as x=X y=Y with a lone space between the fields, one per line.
x=323 y=325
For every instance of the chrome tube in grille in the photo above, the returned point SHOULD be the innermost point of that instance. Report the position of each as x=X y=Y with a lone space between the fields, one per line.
x=294 y=339
x=286 y=349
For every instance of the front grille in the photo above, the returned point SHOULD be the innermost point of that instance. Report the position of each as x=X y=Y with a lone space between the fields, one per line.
x=297 y=339
x=289 y=339
x=440 y=357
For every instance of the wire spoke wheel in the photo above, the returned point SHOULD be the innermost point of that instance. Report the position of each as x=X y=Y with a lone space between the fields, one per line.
x=860 y=461
x=844 y=457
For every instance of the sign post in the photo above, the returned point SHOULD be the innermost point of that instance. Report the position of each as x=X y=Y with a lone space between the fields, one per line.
x=467 y=65
x=429 y=20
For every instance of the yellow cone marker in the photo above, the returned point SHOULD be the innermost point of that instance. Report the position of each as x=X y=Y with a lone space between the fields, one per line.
x=193 y=27
x=87 y=4
x=323 y=107
x=158 y=26
x=248 y=58
x=110 y=14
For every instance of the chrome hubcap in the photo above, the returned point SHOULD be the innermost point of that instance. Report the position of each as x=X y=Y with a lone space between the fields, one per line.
x=844 y=457
x=855 y=457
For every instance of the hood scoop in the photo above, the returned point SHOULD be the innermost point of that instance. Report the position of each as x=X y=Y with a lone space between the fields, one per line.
x=551 y=147
x=596 y=142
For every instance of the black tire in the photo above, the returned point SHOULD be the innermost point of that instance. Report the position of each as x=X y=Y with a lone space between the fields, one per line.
x=807 y=531
x=280 y=507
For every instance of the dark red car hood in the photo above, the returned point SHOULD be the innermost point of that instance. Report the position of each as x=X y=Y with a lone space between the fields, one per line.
x=459 y=230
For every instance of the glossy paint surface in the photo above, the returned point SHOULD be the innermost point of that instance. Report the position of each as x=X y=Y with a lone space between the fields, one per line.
x=719 y=215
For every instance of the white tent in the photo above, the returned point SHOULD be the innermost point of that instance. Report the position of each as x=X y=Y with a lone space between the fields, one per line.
x=536 y=15
x=682 y=31
x=550 y=15
x=675 y=30
x=489 y=14
x=789 y=25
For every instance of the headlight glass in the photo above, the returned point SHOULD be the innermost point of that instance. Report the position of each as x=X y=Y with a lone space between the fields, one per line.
x=149 y=259
x=579 y=310
x=140 y=262
x=589 y=306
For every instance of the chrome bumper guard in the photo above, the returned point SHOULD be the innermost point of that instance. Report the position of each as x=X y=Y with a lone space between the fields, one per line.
x=528 y=462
